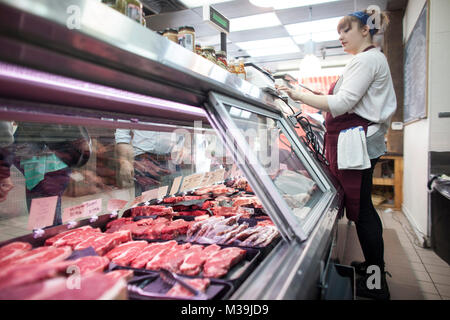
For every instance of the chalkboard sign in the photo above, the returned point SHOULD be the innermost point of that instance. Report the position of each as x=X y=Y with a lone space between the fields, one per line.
x=415 y=71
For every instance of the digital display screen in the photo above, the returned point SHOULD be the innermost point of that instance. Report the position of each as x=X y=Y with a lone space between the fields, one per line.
x=219 y=19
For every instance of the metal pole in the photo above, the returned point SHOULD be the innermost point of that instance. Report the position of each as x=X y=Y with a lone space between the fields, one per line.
x=223 y=42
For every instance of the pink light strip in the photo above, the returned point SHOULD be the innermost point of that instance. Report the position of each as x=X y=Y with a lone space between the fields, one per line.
x=25 y=74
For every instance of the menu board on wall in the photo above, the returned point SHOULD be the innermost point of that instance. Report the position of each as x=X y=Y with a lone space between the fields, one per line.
x=415 y=71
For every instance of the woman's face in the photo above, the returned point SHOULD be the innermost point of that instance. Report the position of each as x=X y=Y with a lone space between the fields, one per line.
x=352 y=38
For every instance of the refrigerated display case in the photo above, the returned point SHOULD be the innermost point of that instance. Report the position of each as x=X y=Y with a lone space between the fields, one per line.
x=102 y=109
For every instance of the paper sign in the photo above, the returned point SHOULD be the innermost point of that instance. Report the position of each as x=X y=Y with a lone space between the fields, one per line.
x=149 y=195
x=207 y=179
x=162 y=192
x=42 y=212
x=116 y=204
x=191 y=182
x=73 y=213
x=92 y=208
x=218 y=175
x=175 y=185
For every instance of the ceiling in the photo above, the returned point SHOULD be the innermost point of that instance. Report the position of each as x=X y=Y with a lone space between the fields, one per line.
x=173 y=13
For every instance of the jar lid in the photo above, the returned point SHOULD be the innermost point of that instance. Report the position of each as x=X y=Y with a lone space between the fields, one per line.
x=170 y=30
x=208 y=48
x=187 y=28
x=221 y=53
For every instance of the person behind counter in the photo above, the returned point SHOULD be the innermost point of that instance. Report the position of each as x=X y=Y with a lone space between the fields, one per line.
x=147 y=158
x=362 y=96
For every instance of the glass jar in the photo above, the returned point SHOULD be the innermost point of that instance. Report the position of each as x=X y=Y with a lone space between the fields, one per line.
x=209 y=53
x=118 y=5
x=134 y=10
x=198 y=49
x=186 y=37
x=171 y=34
x=221 y=57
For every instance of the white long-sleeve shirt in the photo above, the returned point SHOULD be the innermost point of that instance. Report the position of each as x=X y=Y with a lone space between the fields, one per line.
x=366 y=88
x=146 y=141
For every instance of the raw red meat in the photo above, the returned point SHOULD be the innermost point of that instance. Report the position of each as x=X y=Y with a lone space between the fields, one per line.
x=123 y=254
x=179 y=291
x=230 y=211
x=16 y=275
x=194 y=260
x=149 y=252
x=104 y=242
x=12 y=250
x=90 y=264
x=192 y=213
x=120 y=274
x=174 y=229
x=172 y=260
x=41 y=255
x=92 y=287
x=182 y=198
x=71 y=237
x=245 y=201
x=117 y=224
x=220 y=262
x=152 y=210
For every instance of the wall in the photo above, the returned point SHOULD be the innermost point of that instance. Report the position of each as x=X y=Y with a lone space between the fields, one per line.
x=432 y=133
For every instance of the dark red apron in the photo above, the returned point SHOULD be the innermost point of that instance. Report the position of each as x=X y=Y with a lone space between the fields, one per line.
x=350 y=180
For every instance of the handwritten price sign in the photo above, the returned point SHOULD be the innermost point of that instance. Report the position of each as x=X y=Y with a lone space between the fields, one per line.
x=86 y=209
x=42 y=212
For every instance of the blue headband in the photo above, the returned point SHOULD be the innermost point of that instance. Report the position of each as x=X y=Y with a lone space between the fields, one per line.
x=363 y=17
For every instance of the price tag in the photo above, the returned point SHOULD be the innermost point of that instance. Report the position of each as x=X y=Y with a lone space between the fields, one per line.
x=116 y=204
x=162 y=192
x=42 y=212
x=73 y=213
x=218 y=175
x=149 y=195
x=207 y=179
x=191 y=182
x=176 y=185
x=92 y=207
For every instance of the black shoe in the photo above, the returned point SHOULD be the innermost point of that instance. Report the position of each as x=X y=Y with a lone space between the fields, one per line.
x=360 y=267
x=378 y=294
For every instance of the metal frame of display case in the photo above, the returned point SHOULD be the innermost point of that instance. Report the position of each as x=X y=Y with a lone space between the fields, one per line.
x=110 y=50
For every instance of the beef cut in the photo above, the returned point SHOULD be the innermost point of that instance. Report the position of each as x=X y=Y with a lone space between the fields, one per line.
x=104 y=242
x=71 y=237
x=117 y=224
x=220 y=262
x=179 y=291
x=41 y=255
x=90 y=264
x=123 y=254
x=120 y=274
x=149 y=253
x=12 y=250
x=194 y=260
x=152 y=210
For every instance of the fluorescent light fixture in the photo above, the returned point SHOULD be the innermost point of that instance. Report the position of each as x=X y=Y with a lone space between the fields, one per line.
x=310 y=66
x=200 y=3
x=259 y=44
x=269 y=51
x=254 y=22
x=313 y=26
x=317 y=37
x=285 y=4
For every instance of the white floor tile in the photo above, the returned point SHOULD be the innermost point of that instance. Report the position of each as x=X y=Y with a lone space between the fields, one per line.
x=440 y=279
x=443 y=290
x=438 y=269
x=430 y=296
x=427 y=287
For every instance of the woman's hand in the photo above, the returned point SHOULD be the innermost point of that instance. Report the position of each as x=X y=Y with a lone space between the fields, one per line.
x=293 y=94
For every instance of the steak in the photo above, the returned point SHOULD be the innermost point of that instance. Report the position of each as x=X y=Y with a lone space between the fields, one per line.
x=179 y=291
x=90 y=264
x=194 y=260
x=42 y=255
x=220 y=262
x=117 y=224
x=149 y=252
x=245 y=201
x=103 y=242
x=12 y=250
x=123 y=254
x=152 y=210
x=120 y=274
x=170 y=258
x=230 y=211
x=71 y=237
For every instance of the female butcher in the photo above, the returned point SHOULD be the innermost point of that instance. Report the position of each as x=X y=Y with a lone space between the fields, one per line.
x=362 y=96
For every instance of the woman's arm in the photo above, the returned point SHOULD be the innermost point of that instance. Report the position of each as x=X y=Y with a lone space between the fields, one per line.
x=314 y=100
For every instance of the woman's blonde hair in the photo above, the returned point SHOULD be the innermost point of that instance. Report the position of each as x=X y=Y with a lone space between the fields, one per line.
x=346 y=21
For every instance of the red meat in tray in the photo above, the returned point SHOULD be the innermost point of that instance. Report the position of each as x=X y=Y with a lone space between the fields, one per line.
x=12 y=250
x=152 y=210
x=179 y=291
x=220 y=262
x=123 y=254
x=194 y=260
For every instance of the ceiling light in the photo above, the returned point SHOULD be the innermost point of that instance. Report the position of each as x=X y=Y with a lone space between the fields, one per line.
x=254 y=22
x=285 y=4
x=310 y=67
x=269 y=51
x=259 y=44
x=200 y=3
x=317 y=37
x=313 y=26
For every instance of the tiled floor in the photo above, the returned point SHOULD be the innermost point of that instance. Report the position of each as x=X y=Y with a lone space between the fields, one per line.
x=417 y=273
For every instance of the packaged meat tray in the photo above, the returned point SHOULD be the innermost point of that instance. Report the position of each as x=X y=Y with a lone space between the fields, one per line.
x=149 y=287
